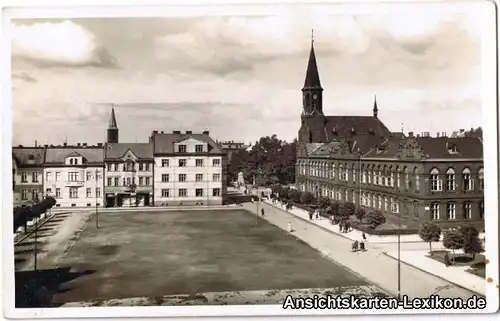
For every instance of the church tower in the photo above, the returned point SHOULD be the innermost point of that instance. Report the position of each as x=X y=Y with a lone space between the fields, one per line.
x=312 y=93
x=112 y=136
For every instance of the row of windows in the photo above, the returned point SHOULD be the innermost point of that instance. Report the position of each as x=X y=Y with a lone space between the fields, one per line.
x=73 y=193
x=165 y=178
x=451 y=210
x=129 y=166
x=183 y=192
x=199 y=162
x=73 y=176
x=34 y=177
x=127 y=181
x=450 y=180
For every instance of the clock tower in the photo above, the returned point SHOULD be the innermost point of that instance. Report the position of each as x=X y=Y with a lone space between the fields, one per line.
x=312 y=93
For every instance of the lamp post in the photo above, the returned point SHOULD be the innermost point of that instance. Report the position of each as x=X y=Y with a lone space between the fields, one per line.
x=96 y=210
x=399 y=248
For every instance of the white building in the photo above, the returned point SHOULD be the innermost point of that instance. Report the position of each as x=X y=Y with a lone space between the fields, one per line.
x=27 y=174
x=190 y=169
x=74 y=175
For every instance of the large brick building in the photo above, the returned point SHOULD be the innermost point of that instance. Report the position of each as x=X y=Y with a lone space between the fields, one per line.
x=358 y=159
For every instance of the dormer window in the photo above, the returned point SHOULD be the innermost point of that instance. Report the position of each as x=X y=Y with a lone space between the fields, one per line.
x=182 y=148
x=453 y=149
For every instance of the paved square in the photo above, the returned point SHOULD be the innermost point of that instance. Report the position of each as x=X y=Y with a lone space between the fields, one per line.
x=135 y=254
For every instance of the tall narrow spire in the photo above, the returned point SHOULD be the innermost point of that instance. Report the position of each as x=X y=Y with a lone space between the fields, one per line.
x=312 y=74
x=375 y=108
x=112 y=132
x=112 y=119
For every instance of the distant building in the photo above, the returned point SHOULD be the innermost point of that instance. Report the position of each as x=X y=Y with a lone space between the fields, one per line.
x=27 y=173
x=190 y=169
x=231 y=147
x=74 y=175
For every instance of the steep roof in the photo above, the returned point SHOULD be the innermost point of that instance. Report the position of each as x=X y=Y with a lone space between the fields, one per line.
x=312 y=74
x=437 y=147
x=164 y=143
x=343 y=126
x=57 y=155
x=118 y=150
x=27 y=156
x=112 y=120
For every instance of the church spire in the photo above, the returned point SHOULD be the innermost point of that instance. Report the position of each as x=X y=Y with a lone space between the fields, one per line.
x=375 y=108
x=112 y=119
x=112 y=132
x=312 y=74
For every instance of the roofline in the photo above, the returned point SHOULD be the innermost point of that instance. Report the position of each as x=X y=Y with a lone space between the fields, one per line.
x=427 y=160
x=188 y=154
x=96 y=164
x=119 y=159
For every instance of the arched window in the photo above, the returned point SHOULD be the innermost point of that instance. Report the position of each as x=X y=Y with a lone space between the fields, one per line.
x=394 y=205
x=397 y=177
x=379 y=182
x=353 y=173
x=341 y=171
x=417 y=179
x=386 y=204
x=379 y=202
x=346 y=195
x=333 y=171
x=391 y=179
x=480 y=177
x=346 y=172
x=450 y=179
x=369 y=200
x=369 y=174
x=384 y=177
x=435 y=181
x=467 y=180
x=407 y=178
x=481 y=210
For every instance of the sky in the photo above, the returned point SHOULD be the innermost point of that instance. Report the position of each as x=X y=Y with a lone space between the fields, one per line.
x=240 y=77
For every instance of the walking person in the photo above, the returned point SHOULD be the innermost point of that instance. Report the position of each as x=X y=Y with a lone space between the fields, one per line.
x=262 y=212
x=310 y=216
x=362 y=246
x=290 y=229
x=364 y=236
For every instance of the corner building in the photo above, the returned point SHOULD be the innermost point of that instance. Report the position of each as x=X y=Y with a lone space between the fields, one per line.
x=358 y=159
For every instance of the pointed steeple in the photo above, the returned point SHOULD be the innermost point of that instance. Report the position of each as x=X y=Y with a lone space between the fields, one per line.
x=312 y=74
x=375 y=108
x=112 y=119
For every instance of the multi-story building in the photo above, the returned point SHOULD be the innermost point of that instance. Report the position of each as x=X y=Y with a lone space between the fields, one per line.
x=415 y=178
x=129 y=170
x=74 y=175
x=27 y=173
x=231 y=147
x=190 y=169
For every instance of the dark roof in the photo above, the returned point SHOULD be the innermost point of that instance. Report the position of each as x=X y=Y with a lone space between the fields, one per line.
x=28 y=155
x=312 y=74
x=57 y=155
x=388 y=148
x=437 y=147
x=399 y=135
x=112 y=120
x=118 y=150
x=164 y=143
x=362 y=125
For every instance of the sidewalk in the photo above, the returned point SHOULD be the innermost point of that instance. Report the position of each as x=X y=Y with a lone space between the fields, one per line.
x=371 y=265
x=454 y=274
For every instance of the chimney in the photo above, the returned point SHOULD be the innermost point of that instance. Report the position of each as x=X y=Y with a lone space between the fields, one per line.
x=443 y=134
x=36 y=143
x=176 y=132
x=461 y=131
x=84 y=144
x=78 y=144
x=155 y=132
x=65 y=144
x=162 y=132
x=189 y=132
x=437 y=134
x=206 y=132
x=410 y=134
x=99 y=144
x=45 y=145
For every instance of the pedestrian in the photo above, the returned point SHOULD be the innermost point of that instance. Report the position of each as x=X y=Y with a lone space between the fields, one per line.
x=310 y=216
x=364 y=236
x=340 y=227
x=331 y=219
x=262 y=212
x=362 y=246
x=290 y=229
x=447 y=259
x=354 y=246
x=317 y=214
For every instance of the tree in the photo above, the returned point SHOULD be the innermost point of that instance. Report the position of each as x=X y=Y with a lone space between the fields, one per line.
x=333 y=209
x=360 y=214
x=429 y=232
x=468 y=229
x=472 y=245
x=349 y=209
x=294 y=195
x=306 y=197
x=323 y=202
x=375 y=218
x=453 y=240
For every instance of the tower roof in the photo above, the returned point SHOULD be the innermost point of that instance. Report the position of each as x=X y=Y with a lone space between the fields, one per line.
x=312 y=74
x=112 y=120
x=375 y=108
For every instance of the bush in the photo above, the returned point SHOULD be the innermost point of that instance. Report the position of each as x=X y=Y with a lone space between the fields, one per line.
x=453 y=240
x=293 y=195
x=375 y=219
x=468 y=230
x=347 y=210
x=371 y=231
x=360 y=214
x=323 y=202
x=429 y=232
x=306 y=198
x=334 y=208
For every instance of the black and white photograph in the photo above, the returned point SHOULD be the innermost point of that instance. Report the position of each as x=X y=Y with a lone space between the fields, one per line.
x=254 y=159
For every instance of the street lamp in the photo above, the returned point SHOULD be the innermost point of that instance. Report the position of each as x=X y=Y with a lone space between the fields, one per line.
x=399 y=247
x=96 y=211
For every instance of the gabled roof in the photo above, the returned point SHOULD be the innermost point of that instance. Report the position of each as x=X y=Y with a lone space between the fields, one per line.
x=26 y=156
x=118 y=150
x=74 y=154
x=58 y=155
x=164 y=143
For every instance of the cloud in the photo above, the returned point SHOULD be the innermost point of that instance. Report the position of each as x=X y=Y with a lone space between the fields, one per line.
x=64 y=43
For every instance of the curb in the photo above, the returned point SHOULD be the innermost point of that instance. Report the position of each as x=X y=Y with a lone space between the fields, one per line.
x=439 y=277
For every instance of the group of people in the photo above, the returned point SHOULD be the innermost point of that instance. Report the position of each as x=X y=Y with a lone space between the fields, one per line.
x=358 y=246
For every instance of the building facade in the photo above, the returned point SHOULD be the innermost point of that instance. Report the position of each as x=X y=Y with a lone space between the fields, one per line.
x=414 y=178
x=27 y=173
x=74 y=175
x=190 y=169
x=231 y=147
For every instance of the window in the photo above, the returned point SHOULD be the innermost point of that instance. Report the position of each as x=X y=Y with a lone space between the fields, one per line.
x=141 y=181
x=199 y=177
x=165 y=192
x=48 y=177
x=391 y=184
x=182 y=177
x=182 y=162
x=386 y=204
x=435 y=211
x=165 y=178
x=34 y=194
x=73 y=176
x=216 y=192
x=368 y=200
x=450 y=179
x=97 y=192
x=129 y=166
x=369 y=176
x=468 y=210
x=407 y=178
x=468 y=181
x=415 y=209
x=133 y=180
x=199 y=192
x=199 y=163
x=165 y=162
x=128 y=181
x=398 y=185
x=89 y=176
x=182 y=148
x=98 y=175
x=394 y=206
x=182 y=192
x=333 y=171
x=48 y=191
x=34 y=177
x=89 y=204
x=417 y=179
x=148 y=181
x=117 y=181
x=124 y=181
x=141 y=167
x=148 y=167
x=216 y=177
x=436 y=184
x=71 y=161
x=110 y=181
x=346 y=195
x=58 y=176
x=216 y=162
x=116 y=167
x=73 y=192
x=58 y=193
x=480 y=177
x=379 y=202
x=363 y=177
x=89 y=192
x=24 y=194
x=199 y=148
x=108 y=166
x=481 y=210
x=353 y=174
x=450 y=211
